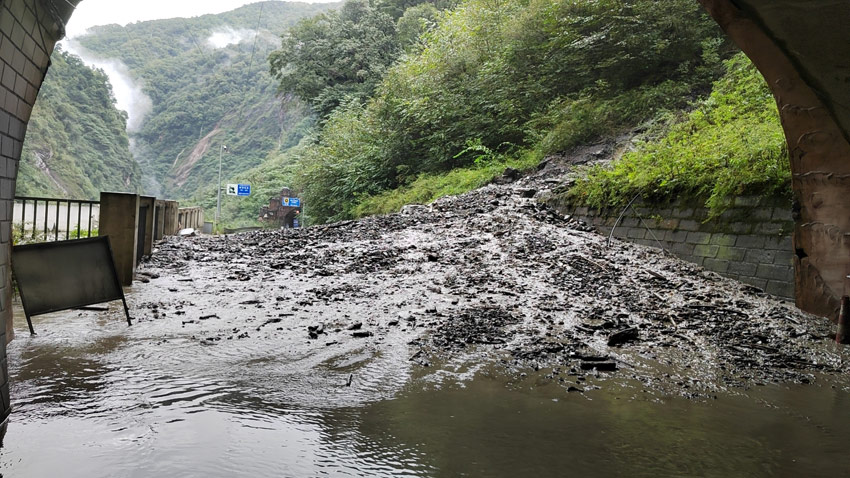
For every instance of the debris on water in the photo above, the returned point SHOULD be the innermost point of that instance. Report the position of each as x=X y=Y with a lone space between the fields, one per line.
x=494 y=274
x=623 y=336
x=608 y=366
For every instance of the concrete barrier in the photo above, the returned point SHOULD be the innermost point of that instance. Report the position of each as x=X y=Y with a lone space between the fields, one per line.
x=147 y=204
x=171 y=224
x=119 y=214
x=190 y=217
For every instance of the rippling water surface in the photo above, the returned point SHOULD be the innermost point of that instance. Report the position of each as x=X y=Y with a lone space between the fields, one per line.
x=94 y=398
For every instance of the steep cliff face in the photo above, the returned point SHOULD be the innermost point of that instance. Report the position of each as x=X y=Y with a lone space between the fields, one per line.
x=76 y=144
x=801 y=49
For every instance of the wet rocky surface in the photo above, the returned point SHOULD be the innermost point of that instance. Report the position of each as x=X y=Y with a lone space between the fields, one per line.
x=490 y=276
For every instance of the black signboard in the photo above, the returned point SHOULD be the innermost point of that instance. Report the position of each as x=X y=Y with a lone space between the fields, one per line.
x=54 y=276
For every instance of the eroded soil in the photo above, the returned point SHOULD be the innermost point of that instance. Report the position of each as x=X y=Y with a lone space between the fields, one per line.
x=489 y=276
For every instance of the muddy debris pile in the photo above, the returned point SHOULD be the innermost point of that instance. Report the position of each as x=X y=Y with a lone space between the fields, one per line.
x=494 y=275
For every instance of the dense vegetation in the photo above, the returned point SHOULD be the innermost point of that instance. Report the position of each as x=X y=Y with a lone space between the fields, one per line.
x=731 y=143
x=379 y=103
x=495 y=81
x=76 y=144
x=204 y=95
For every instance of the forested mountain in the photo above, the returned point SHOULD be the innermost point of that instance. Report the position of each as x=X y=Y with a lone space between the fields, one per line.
x=485 y=82
x=208 y=85
x=76 y=143
x=364 y=105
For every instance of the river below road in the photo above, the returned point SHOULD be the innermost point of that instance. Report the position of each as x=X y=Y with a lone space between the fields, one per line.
x=93 y=400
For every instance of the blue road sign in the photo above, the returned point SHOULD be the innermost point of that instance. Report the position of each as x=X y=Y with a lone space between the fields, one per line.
x=243 y=190
x=291 y=202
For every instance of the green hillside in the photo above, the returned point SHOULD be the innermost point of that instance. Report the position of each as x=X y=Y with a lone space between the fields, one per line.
x=485 y=84
x=206 y=95
x=365 y=105
x=76 y=143
x=731 y=143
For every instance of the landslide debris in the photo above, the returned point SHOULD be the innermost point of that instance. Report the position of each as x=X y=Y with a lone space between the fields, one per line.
x=494 y=275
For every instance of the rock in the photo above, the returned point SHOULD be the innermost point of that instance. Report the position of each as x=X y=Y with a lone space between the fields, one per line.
x=510 y=175
x=355 y=326
x=588 y=356
x=623 y=336
x=411 y=209
x=360 y=334
x=314 y=330
x=609 y=366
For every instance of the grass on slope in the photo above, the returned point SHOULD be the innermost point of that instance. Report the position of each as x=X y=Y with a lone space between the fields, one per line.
x=430 y=187
x=731 y=144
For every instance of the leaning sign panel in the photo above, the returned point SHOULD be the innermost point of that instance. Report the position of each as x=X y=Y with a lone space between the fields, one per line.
x=62 y=275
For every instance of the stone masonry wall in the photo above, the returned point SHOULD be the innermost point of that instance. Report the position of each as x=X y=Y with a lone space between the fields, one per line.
x=750 y=242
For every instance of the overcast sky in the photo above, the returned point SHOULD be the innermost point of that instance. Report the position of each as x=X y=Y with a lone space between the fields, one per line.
x=102 y=12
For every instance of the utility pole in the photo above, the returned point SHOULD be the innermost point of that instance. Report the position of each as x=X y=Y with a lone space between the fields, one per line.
x=221 y=150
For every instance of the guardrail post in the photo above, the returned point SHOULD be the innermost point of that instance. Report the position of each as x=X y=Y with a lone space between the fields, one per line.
x=119 y=220
x=150 y=203
x=170 y=227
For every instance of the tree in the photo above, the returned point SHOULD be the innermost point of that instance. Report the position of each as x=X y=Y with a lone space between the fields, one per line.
x=336 y=55
x=415 y=21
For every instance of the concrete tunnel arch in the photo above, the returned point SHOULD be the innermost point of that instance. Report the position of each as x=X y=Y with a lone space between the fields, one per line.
x=800 y=47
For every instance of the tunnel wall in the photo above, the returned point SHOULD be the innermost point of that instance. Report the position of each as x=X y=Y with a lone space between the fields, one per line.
x=29 y=29
x=750 y=242
x=819 y=149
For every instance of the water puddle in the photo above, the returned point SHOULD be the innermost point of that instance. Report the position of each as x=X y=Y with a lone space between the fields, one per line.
x=109 y=403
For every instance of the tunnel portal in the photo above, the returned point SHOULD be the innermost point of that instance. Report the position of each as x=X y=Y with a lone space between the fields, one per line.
x=800 y=48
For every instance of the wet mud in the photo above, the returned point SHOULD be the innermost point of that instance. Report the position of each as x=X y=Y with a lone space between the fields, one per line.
x=492 y=276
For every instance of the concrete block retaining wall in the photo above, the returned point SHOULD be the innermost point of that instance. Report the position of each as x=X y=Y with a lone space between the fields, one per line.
x=750 y=242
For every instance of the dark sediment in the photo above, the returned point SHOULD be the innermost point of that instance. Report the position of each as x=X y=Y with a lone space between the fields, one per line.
x=492 y=275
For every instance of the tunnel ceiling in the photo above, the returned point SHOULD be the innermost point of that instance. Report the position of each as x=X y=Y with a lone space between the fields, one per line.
x=60 y=11
x=815 y=35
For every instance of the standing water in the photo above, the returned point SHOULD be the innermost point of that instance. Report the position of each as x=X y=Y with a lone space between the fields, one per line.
x=94 y=398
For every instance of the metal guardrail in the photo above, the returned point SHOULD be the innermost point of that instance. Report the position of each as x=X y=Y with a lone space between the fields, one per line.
x=51 y=209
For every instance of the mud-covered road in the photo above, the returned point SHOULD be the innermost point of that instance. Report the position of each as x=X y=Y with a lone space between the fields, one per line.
x=491 y=276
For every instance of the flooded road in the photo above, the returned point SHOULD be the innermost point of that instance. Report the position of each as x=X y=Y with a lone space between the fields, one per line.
x=101 y=404
x=483 y=335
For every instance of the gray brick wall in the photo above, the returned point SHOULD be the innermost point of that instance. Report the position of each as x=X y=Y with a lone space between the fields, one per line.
x=29 y=30
x=750 y=242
